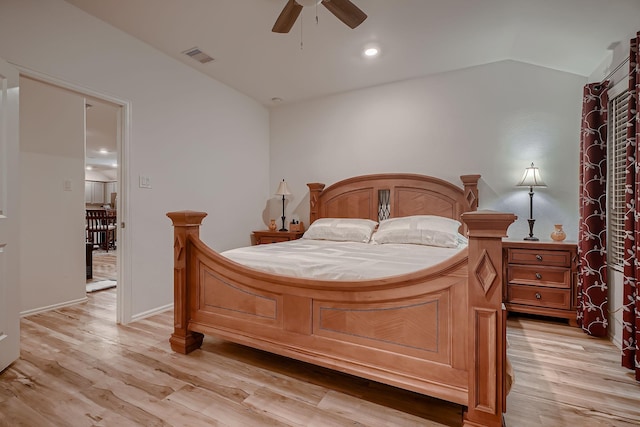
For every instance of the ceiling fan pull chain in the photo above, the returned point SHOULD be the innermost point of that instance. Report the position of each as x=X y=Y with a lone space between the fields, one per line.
x=301 y=34
x=317 y=13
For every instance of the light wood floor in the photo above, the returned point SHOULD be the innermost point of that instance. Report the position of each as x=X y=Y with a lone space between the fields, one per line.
x=103 y=266
x=78 y=368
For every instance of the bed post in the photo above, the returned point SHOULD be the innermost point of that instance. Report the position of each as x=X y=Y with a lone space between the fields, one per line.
x=186 y=224
x=315 y=188
x=486 y=348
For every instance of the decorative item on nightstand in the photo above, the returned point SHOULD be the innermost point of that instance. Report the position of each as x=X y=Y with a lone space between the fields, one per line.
x=283 y=191
x=296 y=225
x=558 y=234
x=531 y=178
x=272 y=225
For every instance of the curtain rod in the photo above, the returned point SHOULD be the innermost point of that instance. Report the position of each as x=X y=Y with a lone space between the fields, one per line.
x=620 y=65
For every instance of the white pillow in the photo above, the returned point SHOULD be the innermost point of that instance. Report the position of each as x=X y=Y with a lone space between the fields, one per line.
x=341 y=229
x=427 y=230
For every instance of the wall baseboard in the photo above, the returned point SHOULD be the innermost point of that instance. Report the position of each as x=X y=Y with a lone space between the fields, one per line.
x=150 y=313
x=52 y=307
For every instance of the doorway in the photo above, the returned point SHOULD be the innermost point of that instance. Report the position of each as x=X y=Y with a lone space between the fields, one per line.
x=118 y=179
x=101 y=193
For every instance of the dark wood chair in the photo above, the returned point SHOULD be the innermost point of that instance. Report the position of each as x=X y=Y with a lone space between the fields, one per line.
x=101 y=228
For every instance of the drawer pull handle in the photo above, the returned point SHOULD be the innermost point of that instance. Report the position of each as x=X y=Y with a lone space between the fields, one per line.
x=538 y=276
x=539 y=257
x=538 y=296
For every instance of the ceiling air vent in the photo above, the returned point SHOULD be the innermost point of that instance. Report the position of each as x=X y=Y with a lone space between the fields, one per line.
x=198 y=55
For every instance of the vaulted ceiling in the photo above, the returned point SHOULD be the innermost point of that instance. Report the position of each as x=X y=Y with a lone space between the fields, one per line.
x=415 y=38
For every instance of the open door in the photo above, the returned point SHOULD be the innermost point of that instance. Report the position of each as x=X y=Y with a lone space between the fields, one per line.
x=9 y=204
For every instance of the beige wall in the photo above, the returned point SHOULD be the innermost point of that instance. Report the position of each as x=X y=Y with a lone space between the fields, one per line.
x=493 y=120
x=52 y=268
x=204 y=145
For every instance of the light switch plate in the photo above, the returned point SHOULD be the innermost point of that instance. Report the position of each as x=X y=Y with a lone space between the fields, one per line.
x=145 y=181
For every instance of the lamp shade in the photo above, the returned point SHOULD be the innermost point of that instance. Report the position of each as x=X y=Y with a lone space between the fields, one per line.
x=531 y=178
x=283 y=190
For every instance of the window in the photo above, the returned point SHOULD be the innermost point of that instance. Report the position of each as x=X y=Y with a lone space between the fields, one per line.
x=616 y=165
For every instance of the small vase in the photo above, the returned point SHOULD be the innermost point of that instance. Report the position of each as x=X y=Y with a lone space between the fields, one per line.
x=272 y=225
x=558 y=234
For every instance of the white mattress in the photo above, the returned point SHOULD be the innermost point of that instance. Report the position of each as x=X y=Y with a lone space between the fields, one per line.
x=321 y=259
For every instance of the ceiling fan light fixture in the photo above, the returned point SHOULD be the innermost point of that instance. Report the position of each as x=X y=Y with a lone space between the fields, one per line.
x=308 y=3
x=344 y=10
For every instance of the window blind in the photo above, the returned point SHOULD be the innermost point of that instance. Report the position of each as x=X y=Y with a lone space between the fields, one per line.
x=617 y=147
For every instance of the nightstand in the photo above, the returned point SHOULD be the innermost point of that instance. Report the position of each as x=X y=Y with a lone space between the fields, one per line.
x=267 y=236
x=541 y=278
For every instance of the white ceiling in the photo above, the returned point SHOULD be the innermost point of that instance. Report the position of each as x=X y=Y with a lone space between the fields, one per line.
x=101 y=151
x=416 y=38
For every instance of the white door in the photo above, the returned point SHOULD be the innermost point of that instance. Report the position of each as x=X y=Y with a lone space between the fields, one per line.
x=9 y=202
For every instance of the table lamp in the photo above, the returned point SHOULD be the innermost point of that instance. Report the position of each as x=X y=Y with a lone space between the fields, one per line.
x=531 y=178
x=283 y=191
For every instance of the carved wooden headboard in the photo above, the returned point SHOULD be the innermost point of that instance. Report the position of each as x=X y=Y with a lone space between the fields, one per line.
x=384 y=196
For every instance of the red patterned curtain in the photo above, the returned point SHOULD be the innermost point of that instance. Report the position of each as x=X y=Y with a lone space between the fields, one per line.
x=631 y=302
x=592 y=234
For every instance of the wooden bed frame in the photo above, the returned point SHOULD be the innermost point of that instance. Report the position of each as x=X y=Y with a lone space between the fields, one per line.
x=439 y=331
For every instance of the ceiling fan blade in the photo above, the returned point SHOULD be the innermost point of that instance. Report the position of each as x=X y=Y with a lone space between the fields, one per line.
x=345 y=11
x=287 y=17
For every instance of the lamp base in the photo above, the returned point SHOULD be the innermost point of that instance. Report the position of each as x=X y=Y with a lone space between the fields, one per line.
x=531 y=237
x=283 y=217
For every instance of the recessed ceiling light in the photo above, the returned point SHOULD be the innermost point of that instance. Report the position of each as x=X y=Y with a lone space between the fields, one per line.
x=89 y=168
x=104 y=151
x=115 y=165
x=371 y=51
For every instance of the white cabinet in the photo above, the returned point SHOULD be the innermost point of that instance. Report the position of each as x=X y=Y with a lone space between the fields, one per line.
x=110 y=187
x=94 y=192
x=99 y=192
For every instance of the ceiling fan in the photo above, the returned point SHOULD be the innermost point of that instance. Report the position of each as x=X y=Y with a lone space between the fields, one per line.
x=344 y=10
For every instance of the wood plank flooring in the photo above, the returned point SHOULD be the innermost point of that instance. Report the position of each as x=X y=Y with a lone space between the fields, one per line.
x=103 y=266
x=78 y=368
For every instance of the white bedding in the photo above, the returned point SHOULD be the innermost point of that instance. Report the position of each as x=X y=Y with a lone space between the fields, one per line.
x=329 y=260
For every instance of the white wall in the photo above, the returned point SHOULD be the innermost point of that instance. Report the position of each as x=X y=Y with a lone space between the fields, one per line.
x=619 y=82
x=52 y=267
x=204 y=146
x=494 y=120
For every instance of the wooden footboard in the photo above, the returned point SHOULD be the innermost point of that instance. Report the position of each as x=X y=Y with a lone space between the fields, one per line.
x=439 y=331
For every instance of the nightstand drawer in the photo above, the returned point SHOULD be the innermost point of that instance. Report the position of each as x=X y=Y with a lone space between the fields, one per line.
x=555 y=277
x=264 y=237
x=273 y=239
x=540 y=257
x=540 y=297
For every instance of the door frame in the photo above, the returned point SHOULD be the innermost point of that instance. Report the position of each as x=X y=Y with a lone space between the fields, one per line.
x=9 y=215
x=123 y=257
